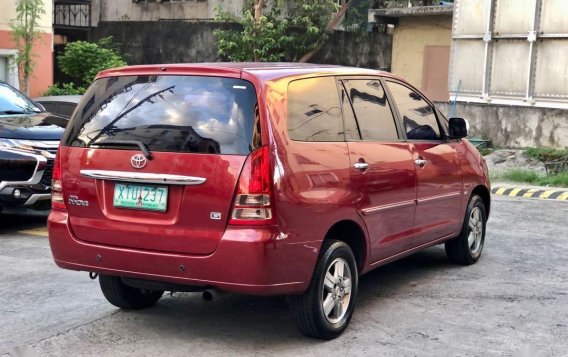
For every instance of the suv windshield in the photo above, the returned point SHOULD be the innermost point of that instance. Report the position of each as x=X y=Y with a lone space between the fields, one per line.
x=191 y=114
x=14 y=102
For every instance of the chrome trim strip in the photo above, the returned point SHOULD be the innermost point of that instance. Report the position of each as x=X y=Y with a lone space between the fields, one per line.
x=37 y=197
x=38 y=171
x=439 y=197
x=377 y=209
x=143 y=177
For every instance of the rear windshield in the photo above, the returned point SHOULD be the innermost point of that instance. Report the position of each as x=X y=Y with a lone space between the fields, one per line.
x=190 y=114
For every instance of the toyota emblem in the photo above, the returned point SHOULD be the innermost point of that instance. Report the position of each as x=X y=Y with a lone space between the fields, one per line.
x=138 y=161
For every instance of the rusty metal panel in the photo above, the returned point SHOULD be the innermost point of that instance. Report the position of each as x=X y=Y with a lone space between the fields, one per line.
x=509 y=68
x=514 y=16
x=553 y=16
x=470 y=17
x=467 y=64
x=551 y=76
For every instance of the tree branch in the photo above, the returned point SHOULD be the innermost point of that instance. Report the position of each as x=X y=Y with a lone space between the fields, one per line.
x=258 y=7
x=331 y=25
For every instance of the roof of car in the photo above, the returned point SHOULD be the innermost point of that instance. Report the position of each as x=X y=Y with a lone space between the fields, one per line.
x=266 y=70
x=59 y=98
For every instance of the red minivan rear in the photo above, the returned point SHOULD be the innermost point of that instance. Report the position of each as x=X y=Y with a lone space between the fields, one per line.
x=152 y=162
x=162 y=175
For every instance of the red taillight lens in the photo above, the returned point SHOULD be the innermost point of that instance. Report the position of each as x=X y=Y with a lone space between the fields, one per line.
x=57 y=200
x=253 y=204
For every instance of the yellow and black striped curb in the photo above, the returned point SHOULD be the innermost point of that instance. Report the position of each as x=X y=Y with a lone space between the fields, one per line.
x=561 y=195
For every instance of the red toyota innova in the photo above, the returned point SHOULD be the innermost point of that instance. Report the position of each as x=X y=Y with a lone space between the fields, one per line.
x=260 y=178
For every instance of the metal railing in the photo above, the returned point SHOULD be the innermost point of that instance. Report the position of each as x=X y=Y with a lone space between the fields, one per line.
x=72 y=14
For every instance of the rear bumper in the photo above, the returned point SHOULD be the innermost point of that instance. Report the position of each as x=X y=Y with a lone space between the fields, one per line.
x=249 y=261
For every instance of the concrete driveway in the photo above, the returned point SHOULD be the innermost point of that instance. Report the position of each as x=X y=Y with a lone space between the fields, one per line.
x=513 y=302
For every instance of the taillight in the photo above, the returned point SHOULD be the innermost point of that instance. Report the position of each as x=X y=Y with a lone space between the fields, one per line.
x=57 y=200
x=253 y=204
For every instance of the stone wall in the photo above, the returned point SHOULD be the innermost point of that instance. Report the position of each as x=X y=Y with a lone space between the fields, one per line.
x=129 y=10
x=515 y=127
x=372 y=50
x=145 y=42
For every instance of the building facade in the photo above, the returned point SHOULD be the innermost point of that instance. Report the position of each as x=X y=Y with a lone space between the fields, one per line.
x=421 y=45
x=161 y=10
x=42 y=76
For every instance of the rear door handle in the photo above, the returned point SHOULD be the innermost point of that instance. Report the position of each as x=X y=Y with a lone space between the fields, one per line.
x=420 y=162
x=361 y=166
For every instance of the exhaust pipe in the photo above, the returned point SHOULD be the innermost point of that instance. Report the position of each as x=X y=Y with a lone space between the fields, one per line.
x=211 y=294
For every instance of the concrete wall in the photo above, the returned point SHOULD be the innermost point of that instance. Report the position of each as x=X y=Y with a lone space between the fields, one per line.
x=517 y=127
x=127 y=10
x=411 y=36
x=347 y=49
x=42 y=77
x=150 y=42
x=183 y=41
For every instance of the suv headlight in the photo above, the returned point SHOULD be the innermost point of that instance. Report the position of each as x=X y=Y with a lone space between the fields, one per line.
x=17 y=144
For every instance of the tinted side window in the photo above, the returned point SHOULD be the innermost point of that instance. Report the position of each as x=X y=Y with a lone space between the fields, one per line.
x=66 y=109
x=314 y=112
x=352 y=131
x=372 y=110
x=418 y=117
x=50 y=106
x=190 y=114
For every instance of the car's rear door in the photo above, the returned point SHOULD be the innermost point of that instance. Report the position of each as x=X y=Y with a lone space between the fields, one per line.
x=198 y=131
x=382 y=172
x=438 y=172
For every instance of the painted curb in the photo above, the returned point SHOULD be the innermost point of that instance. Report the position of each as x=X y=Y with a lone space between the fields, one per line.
x=543 y=194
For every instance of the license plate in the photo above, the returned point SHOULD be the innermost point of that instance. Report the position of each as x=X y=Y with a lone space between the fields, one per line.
x=152 y=198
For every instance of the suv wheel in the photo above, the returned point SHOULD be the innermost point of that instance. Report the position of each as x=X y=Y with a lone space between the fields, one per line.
x=325 y=309
x=126 y=297
x=466 y=248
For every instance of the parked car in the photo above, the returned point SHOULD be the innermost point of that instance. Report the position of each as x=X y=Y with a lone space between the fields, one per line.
x=60 y=105
x=266 y=179
x=28 y=143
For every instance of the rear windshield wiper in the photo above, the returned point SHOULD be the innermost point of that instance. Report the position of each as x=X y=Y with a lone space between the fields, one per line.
x=112 y=142
x=123 y=114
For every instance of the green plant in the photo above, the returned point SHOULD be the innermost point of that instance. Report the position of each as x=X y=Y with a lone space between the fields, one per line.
x=25 y=35
x=485 y=151
x=263 y=34
x=64 y=89
x=545 y=154
x=531 y=177
x=521 y=175
x=557 y=180
x=82 y=60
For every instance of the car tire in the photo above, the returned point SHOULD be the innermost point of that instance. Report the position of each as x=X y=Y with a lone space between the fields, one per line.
x=466 y=248
x=126 y=297
x=325 y=309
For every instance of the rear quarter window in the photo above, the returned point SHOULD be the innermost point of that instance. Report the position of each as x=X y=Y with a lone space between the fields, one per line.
x=314 y=110
x=191 y=114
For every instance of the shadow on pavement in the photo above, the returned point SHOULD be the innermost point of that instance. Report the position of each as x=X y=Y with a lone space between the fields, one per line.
x=13 y=220
x=241 y=319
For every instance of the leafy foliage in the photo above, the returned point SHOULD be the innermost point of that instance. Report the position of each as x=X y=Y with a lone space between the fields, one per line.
x=268 y=41
x=64 y=89
x=545 y=154
x=82 y=60
x=275 y=37
x=25 y=35
x=533 y=178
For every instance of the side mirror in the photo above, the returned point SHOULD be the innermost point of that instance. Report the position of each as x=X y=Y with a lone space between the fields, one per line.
x=39 y=106
x=458 y=128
